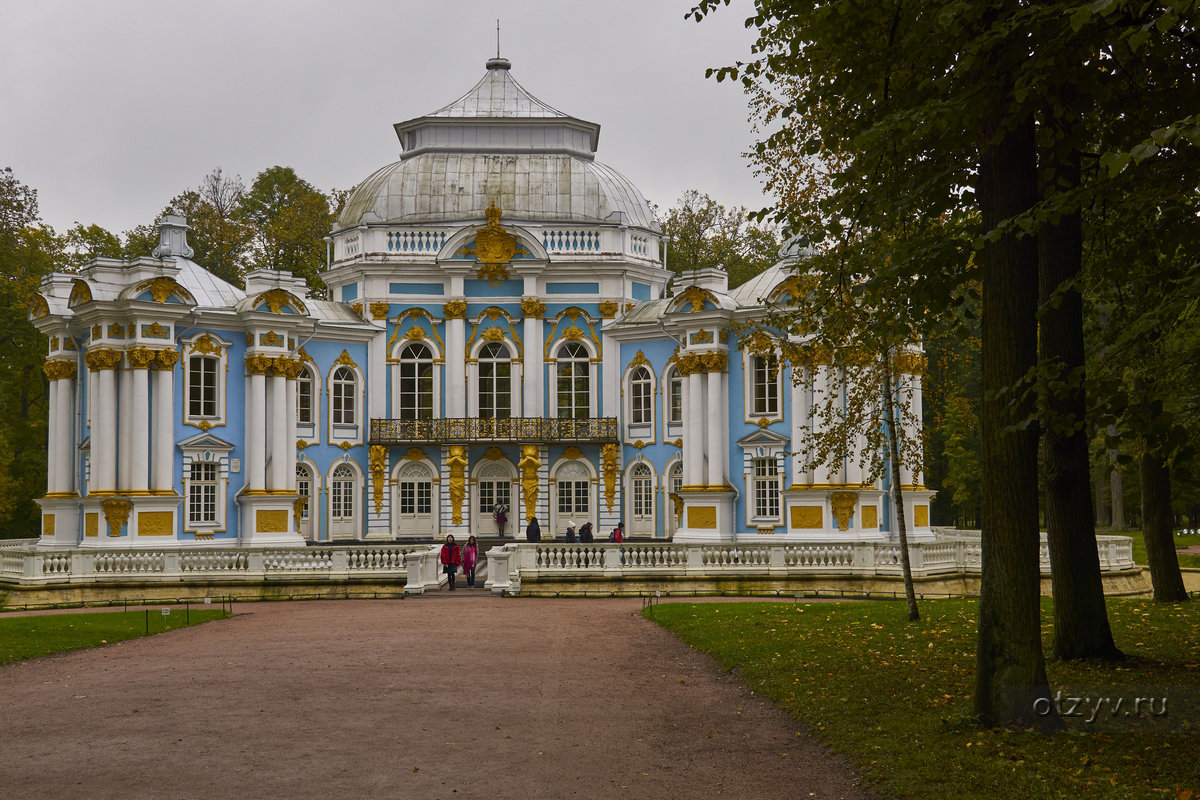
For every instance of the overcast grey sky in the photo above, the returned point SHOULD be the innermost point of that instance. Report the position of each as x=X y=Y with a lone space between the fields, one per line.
x=111 y=108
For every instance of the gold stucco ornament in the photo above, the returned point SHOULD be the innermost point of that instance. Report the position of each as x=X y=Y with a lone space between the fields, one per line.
x=494 y=248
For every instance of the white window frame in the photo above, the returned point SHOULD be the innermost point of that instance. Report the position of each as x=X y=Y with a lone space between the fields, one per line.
x=593 y=365
x=206 y=449
x=500 y=471
x=346 y=431
x=641 y=525
x=474 y=380
x=766 y=490
x=192 y=348
x=357 y=499
x=644 y=430
x=751 y=385
x=668 y=488
x=308 y=515
x=400 y=362
x=672 y=426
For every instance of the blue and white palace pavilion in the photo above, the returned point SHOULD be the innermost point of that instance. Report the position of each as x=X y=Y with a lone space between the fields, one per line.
x=499 y=329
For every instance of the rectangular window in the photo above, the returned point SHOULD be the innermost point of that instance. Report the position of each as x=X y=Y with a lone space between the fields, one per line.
x=202 y=386
x=766 y=385
x=202 y=493
x=416 y=390
x=492 y=492
x=675 y=407
x=641 y=402
x=643 y=498
x=304 y=403
x=573 y=497
x=766 y=488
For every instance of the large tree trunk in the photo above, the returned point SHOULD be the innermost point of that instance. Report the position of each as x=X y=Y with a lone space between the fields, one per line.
x=1100 y=498
x=893 y=426
x=1156 y=522
x=1081 y=627
x=1010 y=668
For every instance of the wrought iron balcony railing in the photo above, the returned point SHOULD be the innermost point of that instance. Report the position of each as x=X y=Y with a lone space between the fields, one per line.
x=466 y=430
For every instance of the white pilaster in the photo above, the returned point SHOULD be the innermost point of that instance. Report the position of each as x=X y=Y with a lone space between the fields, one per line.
x=611 y=377
x=821 y=388
x=694 y=445
x=276 y=433
x=104 y=433
x=289 y=445
x=65 y=422
x=256 y=432
x=53 y=445
x=718 y=422
x=162 y=462
x=139 y=435
x=376 y=378
x=535 y=367
x=456 y=368
x=125 y=425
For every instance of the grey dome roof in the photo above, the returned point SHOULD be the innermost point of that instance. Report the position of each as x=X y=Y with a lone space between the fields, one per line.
x=497 y=144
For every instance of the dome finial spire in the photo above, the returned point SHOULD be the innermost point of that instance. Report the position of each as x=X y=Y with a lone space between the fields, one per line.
x=498 y=62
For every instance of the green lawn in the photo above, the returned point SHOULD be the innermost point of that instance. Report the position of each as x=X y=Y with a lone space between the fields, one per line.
x=895 y=697
x=43 y=634
x=1185 y=559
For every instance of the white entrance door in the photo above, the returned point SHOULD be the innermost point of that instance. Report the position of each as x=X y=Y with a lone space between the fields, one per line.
x=641 y=490
x=573 y=493
x=304 y=482
x=493 y=484
x=343 y=503
x=414 y=503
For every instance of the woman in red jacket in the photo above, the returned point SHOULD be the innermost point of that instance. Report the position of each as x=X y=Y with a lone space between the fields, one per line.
x=451 y=559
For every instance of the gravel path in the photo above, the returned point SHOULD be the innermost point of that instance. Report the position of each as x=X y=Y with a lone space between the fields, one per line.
x=449 y=696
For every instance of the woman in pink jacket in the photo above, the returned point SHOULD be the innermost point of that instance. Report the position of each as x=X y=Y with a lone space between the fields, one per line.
x=470 y=557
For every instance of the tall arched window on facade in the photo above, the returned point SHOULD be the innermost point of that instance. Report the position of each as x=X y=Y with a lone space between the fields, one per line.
x=641 y=393
x=495 y=381
x=574 y=381
x=674 y=397
x=344 y=393
x=304 y=397
x=416 y=382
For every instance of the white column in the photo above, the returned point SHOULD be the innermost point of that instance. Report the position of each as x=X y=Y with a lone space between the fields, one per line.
x=65 y=423
x=163 y=450
x=277 y=433
x=125 y=426
x=139 y=437
x=289 y=445
x=800 y=412
x=534 y=368
x=694 y=445
x=610 y=385
x=455 y=387
x=53 y=434
x=104 y=433
x=376 y=378
x=911 y=405
x=821 y=383
x=256 y=432
x=517 y=368
x=718 y=421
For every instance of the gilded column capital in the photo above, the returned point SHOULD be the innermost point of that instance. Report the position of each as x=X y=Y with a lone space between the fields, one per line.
x=379 y=310
x=287 y=367
x=714 y=361
x=102 y=358
x=58 y=369
x=259 y=364
x=909 y=363
x=455 y=309
x=140 y=357
x=533 y=308
x=689 y=363
x=166 y=359
x=609 y=309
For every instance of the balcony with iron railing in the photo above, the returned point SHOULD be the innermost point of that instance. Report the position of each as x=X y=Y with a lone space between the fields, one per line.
x=471 y=430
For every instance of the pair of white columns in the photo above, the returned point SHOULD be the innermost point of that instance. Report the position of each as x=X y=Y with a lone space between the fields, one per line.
x=271 y=425
x=60 y=450
x=132 y=429
x=707 y=410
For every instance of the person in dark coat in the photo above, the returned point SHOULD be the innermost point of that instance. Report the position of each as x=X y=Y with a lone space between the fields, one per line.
x=571 y=532
x=451 y=557
x=585 y=533
x=534 y=532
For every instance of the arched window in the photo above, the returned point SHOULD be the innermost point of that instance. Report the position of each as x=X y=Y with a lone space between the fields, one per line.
x=304 y=397
x=495 y=381
x=674 y=397
x=344 y=392
x=572 y=482
x=641 y=393
x=341 y=493
x=643 y=492
x=416 y=382
x=416 y=491
x=574 y=381
x=494 y=485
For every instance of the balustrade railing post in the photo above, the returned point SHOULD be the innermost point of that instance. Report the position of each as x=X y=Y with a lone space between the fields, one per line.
x=498 y=581
x=83 y=565
x=863 y=559
x=171 y=564
x=414 y=563
x=33 y=567
x=256 y=563
x=339 y=560
x=695 y=557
